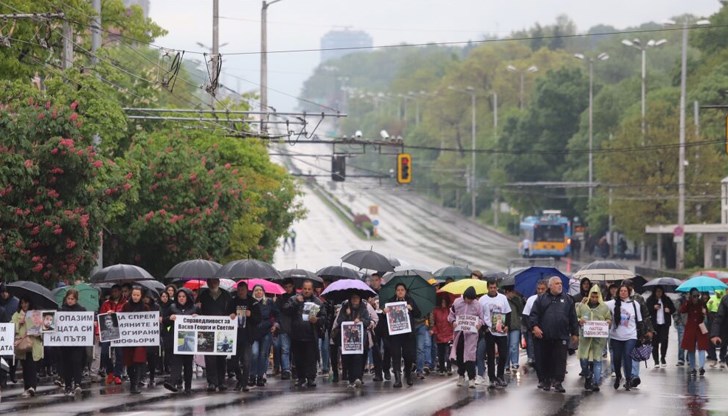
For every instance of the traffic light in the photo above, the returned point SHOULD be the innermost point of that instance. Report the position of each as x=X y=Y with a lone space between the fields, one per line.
x=404 y=168
x=338 y=168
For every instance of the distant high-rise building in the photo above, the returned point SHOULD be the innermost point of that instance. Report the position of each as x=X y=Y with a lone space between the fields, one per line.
x=144 y=4
x=336 y=39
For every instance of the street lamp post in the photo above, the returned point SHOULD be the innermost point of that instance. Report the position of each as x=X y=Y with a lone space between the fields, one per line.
x=264 y=63
x=637 y=44
x=601 y=57
x=530 y=69
x=473 y=174
x=680 y=243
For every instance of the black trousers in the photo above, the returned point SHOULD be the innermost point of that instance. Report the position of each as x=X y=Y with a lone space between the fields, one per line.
x=152 y=362
x=402 y=346
x=215 y=369
x=72 y=364
x=241 y=361
x=30 y=371
x=178 y=363
x=659 y=342
x=463 y=365
x=334 y=360
x=352 y=363
x=380 y=355
x=443 y=356
x=491 y=341
x=135 y=372
x=305 y=355
x=553 y=359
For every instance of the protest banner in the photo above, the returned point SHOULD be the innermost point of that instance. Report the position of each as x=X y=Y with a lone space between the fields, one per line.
x=595 y=329
x=309 y=308
x=108 y=327
x=137 y=329
x=7 y=338
x=72 y=329
x=352 y=338
x=398 y=320
x=466 y=323
x=206 y=335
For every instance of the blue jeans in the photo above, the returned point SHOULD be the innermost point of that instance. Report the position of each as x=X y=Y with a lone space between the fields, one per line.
x=324 y=351
x=259 y=356
x=680 y=351
x=701 y=359
x=514 y=339
x=283 y=352
x=480 y=357
x=620 y=353
x=424 y=347
x=433 y=351
x=593 y=369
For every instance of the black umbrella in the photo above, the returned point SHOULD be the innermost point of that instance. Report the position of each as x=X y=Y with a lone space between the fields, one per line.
x=40 y=296
x=298 y=276
x=248 y=269
x=668 y=284
x=121 y=273
x=494 y=275
x=194 y=269
x=334 y=273
x=154 y=287
x=368 y=259
x=453 y=272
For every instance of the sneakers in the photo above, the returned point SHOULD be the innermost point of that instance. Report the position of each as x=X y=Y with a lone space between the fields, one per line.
x=713 y=363
x=702 y=371
x=492 y=384
x=117 y=380
x=500 y=383
x=722 y=365
x=461 y=381
x=357 y=383
x=285 y=375
x=28 y=393
x=471 y=384
x=636 y=382
x=479 y=380
x=680 y=363
x=171 y=387
x=558 y=388
x=78 y=390
x=426 y=370
x=110 y=378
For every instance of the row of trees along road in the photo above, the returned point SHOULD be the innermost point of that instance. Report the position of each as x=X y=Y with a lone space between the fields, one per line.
x=407 y=91
x=73 y=168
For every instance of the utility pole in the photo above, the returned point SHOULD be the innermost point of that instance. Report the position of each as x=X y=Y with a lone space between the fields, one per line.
x=67 y=61
x=680 y=243
x=96 y=31
x=215 y=46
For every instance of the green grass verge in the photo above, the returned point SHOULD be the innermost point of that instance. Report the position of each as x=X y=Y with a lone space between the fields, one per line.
x=343 y=216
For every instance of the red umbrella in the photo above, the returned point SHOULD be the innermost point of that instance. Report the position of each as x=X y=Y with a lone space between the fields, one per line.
x=718 y=274
x=195 y=284
x=269 y=287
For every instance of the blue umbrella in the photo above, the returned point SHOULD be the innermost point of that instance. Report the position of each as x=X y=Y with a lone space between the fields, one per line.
x=525 y=280
x=703 y=284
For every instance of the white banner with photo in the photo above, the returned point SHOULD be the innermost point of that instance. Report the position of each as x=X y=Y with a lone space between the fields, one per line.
x=205 y=335
x=71 y=329
x=138 y=329
x=352 y=338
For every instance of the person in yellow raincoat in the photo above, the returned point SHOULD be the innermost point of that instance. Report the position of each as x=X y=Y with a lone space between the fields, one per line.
x=592 y=308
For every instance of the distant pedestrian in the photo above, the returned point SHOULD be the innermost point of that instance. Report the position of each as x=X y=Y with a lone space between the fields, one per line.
x=694 y=338
x=553 y=323
x=465 y=343
x=661 y=309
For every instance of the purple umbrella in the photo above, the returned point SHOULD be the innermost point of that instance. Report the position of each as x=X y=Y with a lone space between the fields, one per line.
x=342 y=290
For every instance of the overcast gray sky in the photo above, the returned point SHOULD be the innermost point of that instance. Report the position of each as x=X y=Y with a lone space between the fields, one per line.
x=300 y=24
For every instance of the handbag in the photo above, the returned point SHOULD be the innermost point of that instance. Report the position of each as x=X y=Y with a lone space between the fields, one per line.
x=643 y=349
x=23 y=345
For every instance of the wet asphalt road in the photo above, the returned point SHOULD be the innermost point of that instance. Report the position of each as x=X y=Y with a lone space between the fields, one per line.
x=663 y=392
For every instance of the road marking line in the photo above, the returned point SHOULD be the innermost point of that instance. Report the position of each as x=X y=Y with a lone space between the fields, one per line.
x=401 y=400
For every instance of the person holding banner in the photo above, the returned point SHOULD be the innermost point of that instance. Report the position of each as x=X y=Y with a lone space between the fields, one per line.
x=402 y=345
x=352 y=311
x=135 y=357
x=466 y=316
x=30 y=357
x=183 y=305
x=166 y=332
x=214 y=301
x=246 y=311
x=307 y=319
x=72 y=362
x=593 y=310
x=114 y=367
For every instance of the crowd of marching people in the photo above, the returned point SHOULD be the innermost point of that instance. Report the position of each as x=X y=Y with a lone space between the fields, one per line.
x=282 y=337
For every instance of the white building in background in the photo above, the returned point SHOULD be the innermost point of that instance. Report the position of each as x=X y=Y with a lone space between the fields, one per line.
x=334 y=44
x=144 y=4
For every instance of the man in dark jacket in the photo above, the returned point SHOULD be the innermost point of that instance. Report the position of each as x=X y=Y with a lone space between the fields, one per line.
x=283 y=344
x=552 y=321
x=247 y=312
x=719 y=330
x=380 y=347
x=214 y=302
x=305 y=333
